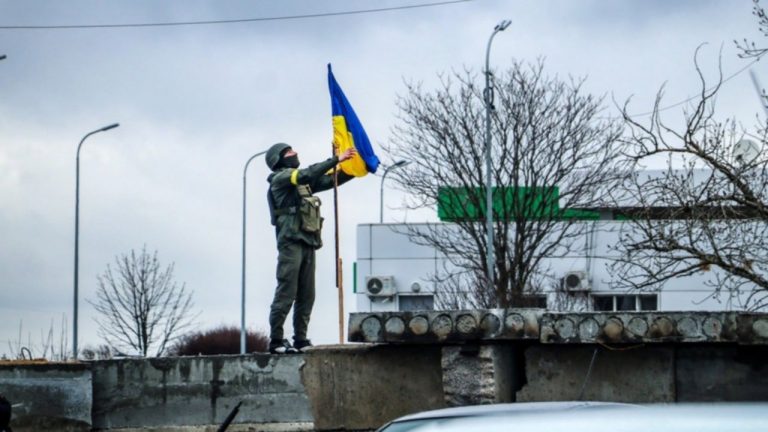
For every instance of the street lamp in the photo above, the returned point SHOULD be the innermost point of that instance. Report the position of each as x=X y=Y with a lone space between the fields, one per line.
x=488 y=96
x=242 y=291
x=2 y=57
x=397 y=164
x=77 y=231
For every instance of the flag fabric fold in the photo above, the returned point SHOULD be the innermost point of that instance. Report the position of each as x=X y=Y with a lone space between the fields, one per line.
x=348 y=132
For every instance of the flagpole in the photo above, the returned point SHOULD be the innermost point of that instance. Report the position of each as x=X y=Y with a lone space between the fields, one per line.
x=339 y=281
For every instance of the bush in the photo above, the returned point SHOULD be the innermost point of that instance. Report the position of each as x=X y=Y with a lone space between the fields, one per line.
x=220 y=340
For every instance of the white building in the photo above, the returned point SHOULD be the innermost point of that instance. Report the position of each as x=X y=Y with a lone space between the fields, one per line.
x=394 y=273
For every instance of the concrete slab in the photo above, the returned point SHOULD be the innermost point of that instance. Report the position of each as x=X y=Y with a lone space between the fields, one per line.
x=445 y=326
x=643 y=327
x=716 y=373
x=53 y=396
x=181 y=391
x=643 y=374
x=361 y=387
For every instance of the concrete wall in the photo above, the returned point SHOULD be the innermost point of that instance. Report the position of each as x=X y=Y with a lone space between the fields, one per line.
x=348 y=387
x=51 y=397
x=646 y=373
x=637 y=375
x=184 y=391
x=362 y=386
x=716 y=373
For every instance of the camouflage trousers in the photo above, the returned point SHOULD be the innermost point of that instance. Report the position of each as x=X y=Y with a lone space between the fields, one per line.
x=295 y=287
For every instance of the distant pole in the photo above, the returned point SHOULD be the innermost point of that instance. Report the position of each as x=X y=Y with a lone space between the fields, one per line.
x=397 y=164
x=488 y=96
x=242 y=290
x=77 y=231
x=759 y=91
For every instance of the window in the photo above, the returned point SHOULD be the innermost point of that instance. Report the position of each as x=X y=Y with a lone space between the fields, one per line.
x=603 y=303
x=628 y=303
x=416 y=302
x=625 y=303
x=649 y=303
x=534 y=301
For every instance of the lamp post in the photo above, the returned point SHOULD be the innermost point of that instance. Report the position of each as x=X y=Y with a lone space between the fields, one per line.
x=2 y=57
x=77 y=232
x=397 y=164
x=242 y=291
x=488 y=96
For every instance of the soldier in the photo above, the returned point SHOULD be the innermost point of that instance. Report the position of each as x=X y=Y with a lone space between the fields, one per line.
x=296 y=216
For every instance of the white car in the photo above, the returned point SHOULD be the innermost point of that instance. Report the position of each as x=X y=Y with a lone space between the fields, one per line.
x=716 y=417
x=476 y=412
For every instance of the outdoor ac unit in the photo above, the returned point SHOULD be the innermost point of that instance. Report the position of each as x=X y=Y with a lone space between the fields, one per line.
x=380 y=286
x=576 y=281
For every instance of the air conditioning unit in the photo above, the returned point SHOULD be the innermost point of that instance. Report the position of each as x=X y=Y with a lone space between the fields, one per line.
x=576 y=281
x=380 y=286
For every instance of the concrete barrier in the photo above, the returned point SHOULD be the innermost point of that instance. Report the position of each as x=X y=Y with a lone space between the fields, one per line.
x=713 y=373
x=428 y=360
x=48 y=397
x=361 y=387
x=187 y=391
x=643 y=374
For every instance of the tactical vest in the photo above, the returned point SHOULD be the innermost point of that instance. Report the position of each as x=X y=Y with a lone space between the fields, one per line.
x=308 y=210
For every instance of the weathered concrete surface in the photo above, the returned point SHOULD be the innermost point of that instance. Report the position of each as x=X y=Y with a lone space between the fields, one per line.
x=752 y=328
x=55 y=396
x=640 y=375
x=181 y=391
x=445 y=326
x=646 y=327
x=478 y=374
x=353 y=387
x=707 y=373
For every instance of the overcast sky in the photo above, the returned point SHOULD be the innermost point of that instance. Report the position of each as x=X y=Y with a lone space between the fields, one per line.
x=195 y=102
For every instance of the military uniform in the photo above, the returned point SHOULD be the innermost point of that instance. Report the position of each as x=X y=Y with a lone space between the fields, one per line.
x=296 y=217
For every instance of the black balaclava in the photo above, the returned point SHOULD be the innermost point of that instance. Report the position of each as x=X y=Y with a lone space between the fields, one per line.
x=289 y=161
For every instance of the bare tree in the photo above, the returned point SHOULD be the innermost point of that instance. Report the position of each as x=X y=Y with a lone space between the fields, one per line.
x=101 y=352
x=704 y=215
x=140 y=306
x=552 y=154
x=748 y=48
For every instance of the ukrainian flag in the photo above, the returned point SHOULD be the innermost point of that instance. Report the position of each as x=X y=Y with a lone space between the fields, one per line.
x=348 y=132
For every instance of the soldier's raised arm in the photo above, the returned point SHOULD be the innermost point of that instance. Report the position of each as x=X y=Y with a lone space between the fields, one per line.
x=325 y=182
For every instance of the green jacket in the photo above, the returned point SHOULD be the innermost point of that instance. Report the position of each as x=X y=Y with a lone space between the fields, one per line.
x=285 y=196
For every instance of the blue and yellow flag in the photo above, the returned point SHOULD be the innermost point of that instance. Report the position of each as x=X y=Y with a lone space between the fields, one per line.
x=348 y=132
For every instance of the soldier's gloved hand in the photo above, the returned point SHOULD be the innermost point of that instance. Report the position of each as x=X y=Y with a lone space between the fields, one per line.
x=348 y=154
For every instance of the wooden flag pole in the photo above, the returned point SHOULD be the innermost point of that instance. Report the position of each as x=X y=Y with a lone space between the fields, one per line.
x=339 y=279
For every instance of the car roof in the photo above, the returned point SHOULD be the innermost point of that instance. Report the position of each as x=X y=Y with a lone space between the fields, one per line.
x=720 y=417
x=505 y=408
